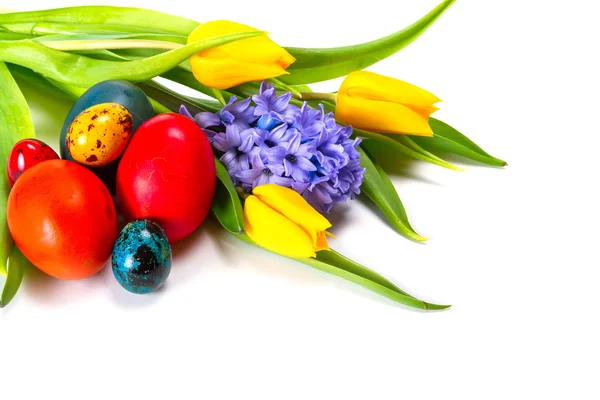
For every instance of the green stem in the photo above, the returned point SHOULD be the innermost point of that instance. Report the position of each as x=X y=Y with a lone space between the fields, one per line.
x=105 y=44
x=219 y=96
x=318 y=96
x=279 y=84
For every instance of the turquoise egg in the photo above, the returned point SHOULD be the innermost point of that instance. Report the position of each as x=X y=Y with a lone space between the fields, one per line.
x=113 y=91
x=141 y=257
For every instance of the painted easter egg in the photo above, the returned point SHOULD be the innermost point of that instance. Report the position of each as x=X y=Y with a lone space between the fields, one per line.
x=141 y=257
x=111 y=91
x=167 y=174
x=99 y=134
x=25 y=154
x=62 y=218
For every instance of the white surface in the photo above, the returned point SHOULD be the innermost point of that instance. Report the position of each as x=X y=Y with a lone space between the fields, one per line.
x=514 y=250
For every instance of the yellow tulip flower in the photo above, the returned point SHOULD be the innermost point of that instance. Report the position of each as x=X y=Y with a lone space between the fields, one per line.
x=382 y=104
x=252 y=59
x=280 y=220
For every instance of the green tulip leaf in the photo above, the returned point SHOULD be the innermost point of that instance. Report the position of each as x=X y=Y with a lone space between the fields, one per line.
x=73 y=29
x=112 y=36
x=83 y=71
x=102 y=18
x=342 y=267
x=399 y=144
x=408 y=142
x=14 y=36
x=174 y=100
x=16 y=268
x=226 y=205
x=316 y=65
x=448 y=140
x=15 y=124
x=378 y=187
x=332 y=257
x=22 y=74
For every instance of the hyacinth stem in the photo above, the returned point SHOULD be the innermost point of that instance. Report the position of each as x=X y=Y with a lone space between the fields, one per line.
x=106 y=44
x=242 y=193
x=318 y=96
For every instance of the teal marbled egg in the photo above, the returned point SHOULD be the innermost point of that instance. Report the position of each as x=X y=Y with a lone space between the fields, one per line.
x=141 y=257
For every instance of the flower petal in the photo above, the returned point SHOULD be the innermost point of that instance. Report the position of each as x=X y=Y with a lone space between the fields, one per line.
x=205 y=119
x=305 y=164
x=275 y=232
x=289 y=203
x=381 y=116
x=372 y=86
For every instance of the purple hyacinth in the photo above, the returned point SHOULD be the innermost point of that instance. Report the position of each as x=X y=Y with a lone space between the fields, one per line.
x=266 y=139
x=295 y=158
x=237 y=148
x=261 y=174
x=279 y=136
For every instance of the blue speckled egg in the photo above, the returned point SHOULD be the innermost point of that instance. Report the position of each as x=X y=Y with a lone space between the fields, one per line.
x=141 y=258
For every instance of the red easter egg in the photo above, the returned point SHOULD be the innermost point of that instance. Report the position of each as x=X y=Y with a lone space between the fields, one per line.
x=167 y=174
x=25 y=154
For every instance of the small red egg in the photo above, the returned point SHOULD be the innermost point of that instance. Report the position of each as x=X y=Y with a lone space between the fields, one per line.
x=25 y=154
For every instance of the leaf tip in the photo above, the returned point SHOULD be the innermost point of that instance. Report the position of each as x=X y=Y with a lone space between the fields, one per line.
x=433 y=307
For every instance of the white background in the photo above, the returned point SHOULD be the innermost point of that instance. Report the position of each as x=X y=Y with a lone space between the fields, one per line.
x=514 y=250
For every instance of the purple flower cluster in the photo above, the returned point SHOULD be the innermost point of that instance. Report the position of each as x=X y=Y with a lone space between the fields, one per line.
x=266 y=139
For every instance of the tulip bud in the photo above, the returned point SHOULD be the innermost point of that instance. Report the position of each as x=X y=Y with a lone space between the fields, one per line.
x=280 y=220
x=252 y=59
x=382 y=104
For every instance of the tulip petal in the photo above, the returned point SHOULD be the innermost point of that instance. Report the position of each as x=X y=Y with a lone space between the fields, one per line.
x=372 y=86
x=223 y=74
x=275 y=232
x=380 y=116
x=229 y=65
x=261 y=50
x=291 y=204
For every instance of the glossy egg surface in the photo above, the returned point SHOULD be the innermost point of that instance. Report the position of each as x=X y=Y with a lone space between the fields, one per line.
x=167 y=174
x=141 y=258
x=99 y=134
x=25 y=154
x=63 y=219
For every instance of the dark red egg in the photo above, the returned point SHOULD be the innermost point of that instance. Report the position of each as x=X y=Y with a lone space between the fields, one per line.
x=25 y=154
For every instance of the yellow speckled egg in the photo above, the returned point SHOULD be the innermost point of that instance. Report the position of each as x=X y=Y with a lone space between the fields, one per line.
x=99 y=134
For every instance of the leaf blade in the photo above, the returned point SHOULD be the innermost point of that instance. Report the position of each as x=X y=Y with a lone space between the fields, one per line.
x=316 y=65
x=389 y=290
x=382 y=192
x=226 y=205
x=83 y=71
x=15 y=124
x=448 y=139
x=106 y=15
x=398 y=145
x=16 y=269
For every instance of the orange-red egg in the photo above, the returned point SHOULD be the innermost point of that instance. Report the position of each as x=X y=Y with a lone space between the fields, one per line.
x=62 y=218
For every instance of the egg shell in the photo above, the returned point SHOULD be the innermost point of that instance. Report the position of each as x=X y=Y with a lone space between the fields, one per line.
x=25 y=154
x=167 y=174
x=99 y=134
x=63 y=219
x=141 y=258
x=111 y=91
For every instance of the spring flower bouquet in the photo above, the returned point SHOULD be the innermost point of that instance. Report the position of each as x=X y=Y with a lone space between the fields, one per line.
x=266 y=155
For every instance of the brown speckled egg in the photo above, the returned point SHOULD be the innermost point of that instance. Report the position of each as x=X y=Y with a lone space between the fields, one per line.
x=99 y=134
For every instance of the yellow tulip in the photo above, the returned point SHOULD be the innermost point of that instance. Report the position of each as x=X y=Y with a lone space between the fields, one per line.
x=280 y=220
x=252 y=59
x=382 y=104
